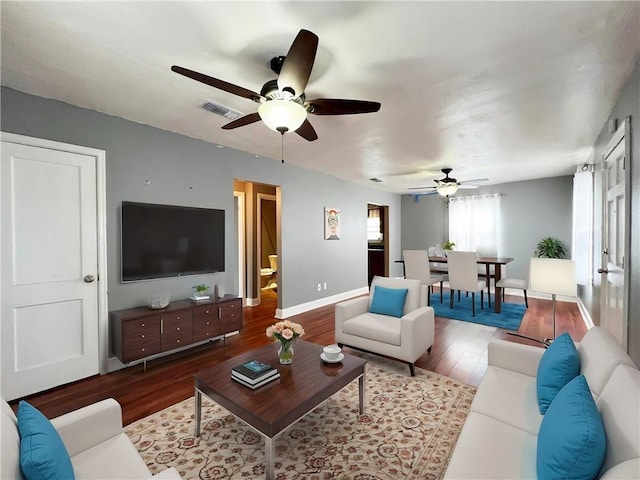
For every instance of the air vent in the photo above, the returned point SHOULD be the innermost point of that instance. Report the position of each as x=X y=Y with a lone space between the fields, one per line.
x=220 y=110
x=376 y=180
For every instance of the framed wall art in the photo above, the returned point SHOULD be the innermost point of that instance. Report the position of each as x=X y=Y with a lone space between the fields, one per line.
x=331 y=223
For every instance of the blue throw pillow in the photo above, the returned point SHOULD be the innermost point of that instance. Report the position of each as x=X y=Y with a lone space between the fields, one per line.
x=43 y=456
x=388 y=301
x=571 y=440
x=559 y=365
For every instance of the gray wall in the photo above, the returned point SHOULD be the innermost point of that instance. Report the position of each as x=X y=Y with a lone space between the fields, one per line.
x=185 y=171
x=628 y=105
x=531 y=210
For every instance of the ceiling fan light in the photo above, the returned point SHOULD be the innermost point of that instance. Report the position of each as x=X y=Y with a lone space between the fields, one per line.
x=447 y=189
x=279 y=115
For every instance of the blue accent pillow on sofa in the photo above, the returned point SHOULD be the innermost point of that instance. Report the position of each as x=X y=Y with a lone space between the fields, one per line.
x=571 y=439
x=388 y=301
x=43 y=456
x=559 y=365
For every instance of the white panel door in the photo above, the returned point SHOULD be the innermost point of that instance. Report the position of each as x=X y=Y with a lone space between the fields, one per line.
x=613 y=313
x=49 y=269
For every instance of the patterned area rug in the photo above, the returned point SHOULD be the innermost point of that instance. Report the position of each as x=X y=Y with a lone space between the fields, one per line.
x=409 y=430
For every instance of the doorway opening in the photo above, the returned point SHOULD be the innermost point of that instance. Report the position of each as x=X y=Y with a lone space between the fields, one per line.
x=377 y=240
x=258 y=242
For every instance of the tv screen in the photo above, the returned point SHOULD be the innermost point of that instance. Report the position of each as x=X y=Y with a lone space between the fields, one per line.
x=167 y=241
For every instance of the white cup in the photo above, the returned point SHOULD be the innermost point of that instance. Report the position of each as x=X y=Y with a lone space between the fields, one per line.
x=331 y=352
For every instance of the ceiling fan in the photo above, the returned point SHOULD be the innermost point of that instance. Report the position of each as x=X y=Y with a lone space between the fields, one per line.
x=283 y=106
x=448 y=186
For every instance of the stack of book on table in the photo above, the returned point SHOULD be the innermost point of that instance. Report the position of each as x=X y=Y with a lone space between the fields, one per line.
x=254 y=374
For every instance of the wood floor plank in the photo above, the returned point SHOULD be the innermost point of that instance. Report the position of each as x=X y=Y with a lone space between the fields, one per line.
x=459 y=351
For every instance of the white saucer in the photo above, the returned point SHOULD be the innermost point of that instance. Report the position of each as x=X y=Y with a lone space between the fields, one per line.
x=337 y=360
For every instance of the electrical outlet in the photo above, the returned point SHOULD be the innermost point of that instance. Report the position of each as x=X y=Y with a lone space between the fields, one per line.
x=325 y=286
x=319 y=287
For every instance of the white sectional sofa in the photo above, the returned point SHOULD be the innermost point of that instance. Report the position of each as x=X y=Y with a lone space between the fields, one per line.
x=94 y=439
x=499 y=438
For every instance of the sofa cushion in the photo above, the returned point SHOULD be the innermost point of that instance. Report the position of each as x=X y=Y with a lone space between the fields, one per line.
x=571 y=441
x=490 y=449
x=42 y=453
x=600 y=354
x=10 y=442
x=98 y=462
x=559 y=364
x=388 y=301
x=381 y=328
x=509 y=397
x=619 y=406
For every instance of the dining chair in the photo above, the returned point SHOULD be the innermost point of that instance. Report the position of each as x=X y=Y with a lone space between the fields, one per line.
x=438 y=268
x=517 y=283
x=463 y=276
x=416 y=267
x=487 y=272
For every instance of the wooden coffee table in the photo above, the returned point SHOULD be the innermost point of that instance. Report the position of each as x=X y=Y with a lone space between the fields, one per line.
x=270 y=409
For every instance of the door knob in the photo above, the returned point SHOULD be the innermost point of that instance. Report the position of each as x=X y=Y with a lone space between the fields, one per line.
x=603 y=270
x=89 y=278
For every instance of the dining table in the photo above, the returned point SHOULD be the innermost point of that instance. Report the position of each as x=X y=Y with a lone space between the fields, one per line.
x=497 y=262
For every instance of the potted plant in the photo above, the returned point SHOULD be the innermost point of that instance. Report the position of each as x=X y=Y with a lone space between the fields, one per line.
x=201 y=290
x=448 y=246
x=550 y=247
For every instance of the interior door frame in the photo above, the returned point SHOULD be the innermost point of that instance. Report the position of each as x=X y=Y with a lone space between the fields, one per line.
x=241 y=244
x=101 y=229
x=259 y=198
x=622 y=134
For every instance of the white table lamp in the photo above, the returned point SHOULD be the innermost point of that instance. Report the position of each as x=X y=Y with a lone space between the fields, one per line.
x=554 y=276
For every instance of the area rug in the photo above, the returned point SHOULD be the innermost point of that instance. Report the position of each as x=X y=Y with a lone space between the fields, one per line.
x=509 y=318
x=408 y=431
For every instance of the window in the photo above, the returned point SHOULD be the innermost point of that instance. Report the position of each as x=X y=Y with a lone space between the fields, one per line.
x=374 y=227
x=582 y=248
x=474 y=221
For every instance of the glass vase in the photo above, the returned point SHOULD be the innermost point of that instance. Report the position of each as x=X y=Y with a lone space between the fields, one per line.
x=285 y=352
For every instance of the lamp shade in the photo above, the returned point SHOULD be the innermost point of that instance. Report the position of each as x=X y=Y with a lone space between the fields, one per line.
x=282 y=115
x=553 y=275
x=446 y=189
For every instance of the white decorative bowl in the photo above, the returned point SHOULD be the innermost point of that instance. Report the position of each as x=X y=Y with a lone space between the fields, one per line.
x=158 y=301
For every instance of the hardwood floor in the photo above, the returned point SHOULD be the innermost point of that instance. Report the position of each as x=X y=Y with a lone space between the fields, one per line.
x=459 y=351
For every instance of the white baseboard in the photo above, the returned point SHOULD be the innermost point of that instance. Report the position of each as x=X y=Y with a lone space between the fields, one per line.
x=282 y=313
x=251 y=302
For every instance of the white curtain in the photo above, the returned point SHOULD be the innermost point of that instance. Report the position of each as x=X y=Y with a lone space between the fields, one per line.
x=475 y=221
x=582 y=247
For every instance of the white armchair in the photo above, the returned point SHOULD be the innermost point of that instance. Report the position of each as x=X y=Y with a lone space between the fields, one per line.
x=93 y=438
x=403 y=338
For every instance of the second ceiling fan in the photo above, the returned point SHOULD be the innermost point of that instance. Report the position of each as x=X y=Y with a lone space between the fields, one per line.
x=283 y=106
x=448 y=186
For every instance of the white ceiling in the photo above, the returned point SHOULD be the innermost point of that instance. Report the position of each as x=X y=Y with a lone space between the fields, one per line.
x=507 y=90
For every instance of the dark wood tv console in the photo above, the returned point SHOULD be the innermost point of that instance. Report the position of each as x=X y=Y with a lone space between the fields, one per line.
x=140 y=332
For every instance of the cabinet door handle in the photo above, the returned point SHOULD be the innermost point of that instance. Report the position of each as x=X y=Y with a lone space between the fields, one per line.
x=178 y=317
x=219 y=312
x=207 y=312
x=161 y=326
x=177 y=329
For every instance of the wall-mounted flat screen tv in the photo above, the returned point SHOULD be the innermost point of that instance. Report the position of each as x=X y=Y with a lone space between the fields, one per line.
x=161 y=241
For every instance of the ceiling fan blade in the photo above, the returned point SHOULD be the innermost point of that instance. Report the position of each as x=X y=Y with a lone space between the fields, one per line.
x=422 y=188
x=221 y=84
x=338 y=106
x=298 y=63
x=307 y=131
x=475 y=180
x=242 y=121
x=466 y=187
